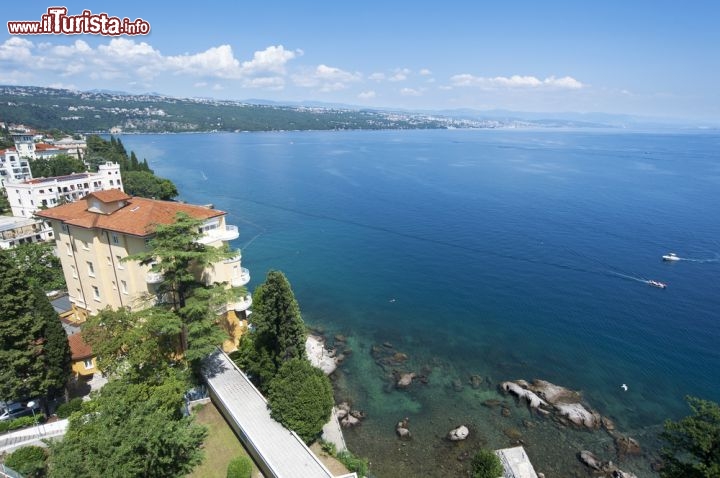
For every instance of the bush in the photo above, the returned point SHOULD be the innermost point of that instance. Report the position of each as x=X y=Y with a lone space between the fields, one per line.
x=66 y=409
x=21 y=422
x=28 y=461
x=486 y=464
x=301 y=398
x=240 y=467
x=354 y=463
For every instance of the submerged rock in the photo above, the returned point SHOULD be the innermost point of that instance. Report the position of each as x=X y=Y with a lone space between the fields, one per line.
x=625 y=445
x=405 y=379
x=403 y=429
x=476 y=381
x=458 y=434
x=579 y=415
x=516 y=388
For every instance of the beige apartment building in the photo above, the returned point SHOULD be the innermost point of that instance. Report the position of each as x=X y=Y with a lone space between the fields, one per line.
x=95 y=233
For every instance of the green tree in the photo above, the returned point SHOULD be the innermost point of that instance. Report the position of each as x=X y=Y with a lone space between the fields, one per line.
x=130 y=430
x=300 y=397
x=4 y=203
x=147 y=185
x=60 y=165
x=175 y=252
x=29 y=339
x=692 y=444
x=38 y=262
x=486 y=464
x=29 y=461
x=278 y=331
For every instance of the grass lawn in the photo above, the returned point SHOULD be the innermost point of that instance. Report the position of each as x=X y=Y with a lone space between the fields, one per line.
x=221 y=445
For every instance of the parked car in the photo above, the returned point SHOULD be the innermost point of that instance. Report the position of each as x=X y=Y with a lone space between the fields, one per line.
x=12 y=410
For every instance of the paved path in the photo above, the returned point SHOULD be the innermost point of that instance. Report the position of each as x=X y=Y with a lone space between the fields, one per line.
x=32 y=435
x=333 y=433
x=279 y=452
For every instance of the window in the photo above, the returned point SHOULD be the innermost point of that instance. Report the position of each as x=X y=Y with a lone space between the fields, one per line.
x=109 y=261
x=91 y=269
x=96 y=293
x=119 y=262
x=69 y=249
x=88 y=363
x=85 y=245
x=123 y=287
x=111 y=182
x=74 y=271
x=115 y=239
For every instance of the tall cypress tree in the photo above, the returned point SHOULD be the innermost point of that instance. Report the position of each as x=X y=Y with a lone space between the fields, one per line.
x=278 y=334
x=34 y=354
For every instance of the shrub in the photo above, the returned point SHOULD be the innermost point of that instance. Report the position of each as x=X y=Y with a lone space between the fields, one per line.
x=240 y=467
x=66 y=409
x=486 y=464
x=28 y=461
x=328 y=447
x=21 y=422
x=301 y=398
x=354 y=463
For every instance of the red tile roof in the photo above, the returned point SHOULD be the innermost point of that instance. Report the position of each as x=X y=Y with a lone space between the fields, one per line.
x=79 y=348
x=109 y=195
x=44 y=146
x=138 y=217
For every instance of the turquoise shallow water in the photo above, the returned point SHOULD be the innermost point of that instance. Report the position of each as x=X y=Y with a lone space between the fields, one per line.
x=509 y=254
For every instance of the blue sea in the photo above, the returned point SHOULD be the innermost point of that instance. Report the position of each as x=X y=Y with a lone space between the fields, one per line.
x=507 y=254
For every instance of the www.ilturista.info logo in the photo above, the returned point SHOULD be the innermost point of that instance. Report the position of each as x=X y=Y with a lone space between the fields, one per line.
x=57 y=22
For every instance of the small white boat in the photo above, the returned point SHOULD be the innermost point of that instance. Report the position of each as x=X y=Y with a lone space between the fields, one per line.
x=658 y=284
x=671 y=257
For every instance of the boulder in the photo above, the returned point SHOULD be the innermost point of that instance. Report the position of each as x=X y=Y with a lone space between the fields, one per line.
x=402 y=428
x=592 y=461
x=626 y=445
x=579 y=415
x=349 y=421
x=458 y=434
x=554 y=393
x=319 y=356
x=476 y=381
x=517 y=389
x=405 y=379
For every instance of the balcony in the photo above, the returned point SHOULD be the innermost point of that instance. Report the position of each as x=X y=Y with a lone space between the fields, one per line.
x=154 y=277
x=235 y=258
x=242 y=279
x=228 y=233
x=241 y=304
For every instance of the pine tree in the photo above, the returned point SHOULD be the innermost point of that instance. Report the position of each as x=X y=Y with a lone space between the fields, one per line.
x=57 y=356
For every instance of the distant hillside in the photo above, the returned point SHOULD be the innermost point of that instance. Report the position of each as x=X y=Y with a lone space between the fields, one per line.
x=99 y=111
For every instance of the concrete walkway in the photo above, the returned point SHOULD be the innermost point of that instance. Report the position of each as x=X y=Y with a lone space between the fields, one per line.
x=278 y=452
x=332 y=432
x=32 y=435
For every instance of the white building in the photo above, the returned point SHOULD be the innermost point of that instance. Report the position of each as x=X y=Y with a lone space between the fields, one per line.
x=20 y=230
x=28 y=196
x=13 y=167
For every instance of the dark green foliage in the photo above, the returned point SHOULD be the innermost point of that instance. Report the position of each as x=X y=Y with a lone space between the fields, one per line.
x=486 y=464
x=34 y=356
x=68 y=408
x=59 y=165
x=4 y=204
x=130 y=430
x=29 y=461
x=147 y=185
x=278 y=330
x=300 y=397
x=692 y=444
x=38 y=262
x=21 y=422
x=240 y=467
x=361 y=466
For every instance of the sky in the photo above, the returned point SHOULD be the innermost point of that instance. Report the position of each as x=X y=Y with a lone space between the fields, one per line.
x=655 y=58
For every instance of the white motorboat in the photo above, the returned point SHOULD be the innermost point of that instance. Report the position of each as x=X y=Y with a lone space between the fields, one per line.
x=658 y=284
x=671 y=257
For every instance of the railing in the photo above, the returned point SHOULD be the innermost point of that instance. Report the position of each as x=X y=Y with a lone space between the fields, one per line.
x=235 y=258
x=243 y=304
x=228 y=233
x=242 y=279
x=7 y=472
x=154 y=277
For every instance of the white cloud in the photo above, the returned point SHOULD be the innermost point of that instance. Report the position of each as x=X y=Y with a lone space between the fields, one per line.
x=410 y=92
x=366 y=95
x=515 y=81
x=326 y=78
x=425 y=72
x=400 y=74
x=377 y=77
x=130 y=60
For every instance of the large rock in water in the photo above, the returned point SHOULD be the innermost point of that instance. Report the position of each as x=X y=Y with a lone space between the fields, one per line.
x=458 y=434
x=319 y=356
x=405 y=380
x=517 y=390
x=579 y=415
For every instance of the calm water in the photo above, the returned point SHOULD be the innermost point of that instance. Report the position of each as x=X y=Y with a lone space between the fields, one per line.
x=508 y=254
